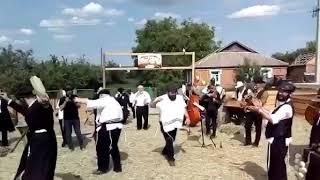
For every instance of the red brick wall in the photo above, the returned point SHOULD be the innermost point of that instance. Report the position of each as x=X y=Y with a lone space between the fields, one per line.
x=296 y=73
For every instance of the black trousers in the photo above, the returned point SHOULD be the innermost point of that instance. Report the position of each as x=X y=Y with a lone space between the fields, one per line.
x=125 y=113
x=133 y=110
x=41 y=161
x=63 y=132
x=277 y=164
x=256 y=119
x=169 y=137
x=68 y=124
x=315 y=134
x=211 y=121
x=104 y=140
x=5 y=141
x=142 y=112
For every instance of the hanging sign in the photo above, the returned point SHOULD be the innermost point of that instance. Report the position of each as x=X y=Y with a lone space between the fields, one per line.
x=150 y=61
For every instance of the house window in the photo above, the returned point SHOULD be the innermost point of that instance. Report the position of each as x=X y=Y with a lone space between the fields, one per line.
x=266 y=73
x=216 y=74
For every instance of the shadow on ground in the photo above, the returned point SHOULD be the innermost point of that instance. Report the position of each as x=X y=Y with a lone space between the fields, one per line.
x=254 y=170
x=68 y=176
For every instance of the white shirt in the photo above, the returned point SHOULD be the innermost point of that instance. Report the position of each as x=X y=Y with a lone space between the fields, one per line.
x=60 y=112
x=220 y=90
x=0 y=106
x=171 y=112
x=108 y=109
x=142 y=98
x=284 y=112
x=131 y=98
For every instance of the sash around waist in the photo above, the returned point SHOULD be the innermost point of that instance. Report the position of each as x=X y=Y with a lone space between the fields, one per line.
x=167 y=123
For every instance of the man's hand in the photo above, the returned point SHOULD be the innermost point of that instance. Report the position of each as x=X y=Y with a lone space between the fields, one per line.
x=257 y=102
x=253 y=108
x=187 y=121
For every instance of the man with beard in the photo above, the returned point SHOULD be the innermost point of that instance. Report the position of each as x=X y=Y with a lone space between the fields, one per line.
x=211 y=101
x=109 y=117
x=38 y=160
x=278 y=130
x=141 y=102
x=172 y=110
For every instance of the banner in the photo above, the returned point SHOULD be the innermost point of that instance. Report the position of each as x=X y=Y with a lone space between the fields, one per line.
x=150 y=61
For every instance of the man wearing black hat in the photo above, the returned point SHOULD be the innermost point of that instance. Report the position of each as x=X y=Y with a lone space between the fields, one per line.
x=109 y=118
x=172 y=110
x=124 y=101
x=39 y=157
x=278 y=130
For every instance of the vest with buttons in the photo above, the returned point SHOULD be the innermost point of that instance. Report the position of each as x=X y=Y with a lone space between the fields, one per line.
x=281 y=129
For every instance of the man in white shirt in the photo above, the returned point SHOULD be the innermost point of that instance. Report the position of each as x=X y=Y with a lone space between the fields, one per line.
x=141 y=101
x=172 y=111
x=109 y=124
x=60 y=118
x=278 y=130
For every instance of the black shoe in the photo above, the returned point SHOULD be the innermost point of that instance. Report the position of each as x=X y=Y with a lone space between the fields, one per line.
x=82 y=147
x=71 y=149
x=117 y=170
x=63 y=145
x=145 y=128
x=171 y=163
x=208 y=132
x=255 y=144
x=99 y=172
x=138 y=129
x=247 y=144
x=212 y=136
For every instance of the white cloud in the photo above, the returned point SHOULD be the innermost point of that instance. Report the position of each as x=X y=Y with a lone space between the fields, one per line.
x=256 y=11
x=4 y=39
x=26 y=31
x=21 y=42
x=141 y=22
x=56 y=29
x=111 y=23
x=162 y=15
x=130 y=19
x=63 y=37
x=92 y=9
x=55 y=24
x=197 y=20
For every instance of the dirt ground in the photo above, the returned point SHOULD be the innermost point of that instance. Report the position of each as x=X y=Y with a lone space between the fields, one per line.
x=141 y=158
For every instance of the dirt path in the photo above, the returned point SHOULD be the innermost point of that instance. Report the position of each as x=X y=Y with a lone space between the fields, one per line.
x=141 y=158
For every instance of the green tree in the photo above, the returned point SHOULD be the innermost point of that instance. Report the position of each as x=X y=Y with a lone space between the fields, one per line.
x=248 y=71
x=289 y=57
x=168 y=35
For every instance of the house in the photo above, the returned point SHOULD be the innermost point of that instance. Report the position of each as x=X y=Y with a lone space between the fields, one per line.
x=223 y=65
x=303 y=68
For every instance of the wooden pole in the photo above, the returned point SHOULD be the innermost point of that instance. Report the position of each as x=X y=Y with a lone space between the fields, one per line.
x=317 y=72
x=104 y=70
x=193 y=66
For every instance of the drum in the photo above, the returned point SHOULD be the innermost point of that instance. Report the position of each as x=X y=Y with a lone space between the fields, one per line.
x=233 y=104
x=311 y=114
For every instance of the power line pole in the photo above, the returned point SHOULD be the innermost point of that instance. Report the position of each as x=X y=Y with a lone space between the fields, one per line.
x=316 y=12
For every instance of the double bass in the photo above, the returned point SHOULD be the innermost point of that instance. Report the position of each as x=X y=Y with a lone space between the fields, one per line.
x=193 y=111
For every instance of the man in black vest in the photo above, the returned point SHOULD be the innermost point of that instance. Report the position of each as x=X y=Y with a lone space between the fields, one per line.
x=124 y=101
x=278 y=131
x=5 y=122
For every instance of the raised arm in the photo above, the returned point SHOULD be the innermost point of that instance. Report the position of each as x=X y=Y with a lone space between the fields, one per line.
x=17 y=107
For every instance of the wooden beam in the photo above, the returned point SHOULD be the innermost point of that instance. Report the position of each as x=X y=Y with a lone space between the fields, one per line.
x=147 y=69
x=136 y=54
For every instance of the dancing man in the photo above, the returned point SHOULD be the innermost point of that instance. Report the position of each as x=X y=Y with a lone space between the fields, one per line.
x=38 y=160
x=278 y=130
x=60 y=118
x=108 y=120
x=124 y=101
x=141 y=101
x=172 y=110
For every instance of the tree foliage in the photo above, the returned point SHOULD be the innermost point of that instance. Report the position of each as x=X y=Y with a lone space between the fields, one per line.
x=291 y=56
x=168 y=35
x=17 y=66
x=248 y=71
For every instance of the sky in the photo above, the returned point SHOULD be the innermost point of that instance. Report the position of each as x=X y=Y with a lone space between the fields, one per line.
x=72 y=28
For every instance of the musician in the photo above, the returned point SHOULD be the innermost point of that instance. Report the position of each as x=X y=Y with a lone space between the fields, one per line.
x=315 y=130
x=38 y=160
x=219 y=89
x=5 y=122
x=278 y=130
x=109 y=118
x=142 y=100
x=124 y=101
x=172 y=110
x=211 y=101
x=253 y=117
